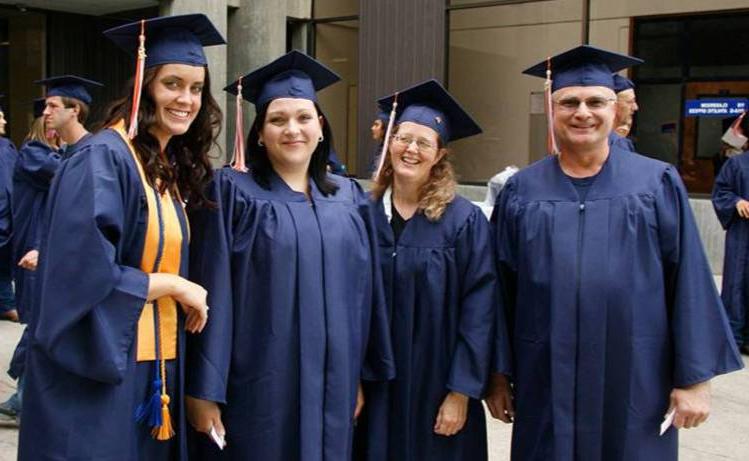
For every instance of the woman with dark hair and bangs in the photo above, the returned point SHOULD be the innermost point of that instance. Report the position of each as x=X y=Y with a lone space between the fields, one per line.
x=441 y=286
x=289 y=259
x=105 y=366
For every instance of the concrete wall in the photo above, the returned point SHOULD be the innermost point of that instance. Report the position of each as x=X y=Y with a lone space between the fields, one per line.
x=489 y=47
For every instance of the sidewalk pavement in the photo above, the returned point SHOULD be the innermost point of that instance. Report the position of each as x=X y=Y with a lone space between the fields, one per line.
x=724 y=438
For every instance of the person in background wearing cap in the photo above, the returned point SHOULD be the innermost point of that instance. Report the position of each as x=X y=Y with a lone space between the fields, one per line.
x=8 y=157
x=614 y=316
x=626 y=106
x=289 y=259
x=731 y=203
x=440 y=281
x=67 y=106
x=378 y=129
x=105 y=362
x=37 y=162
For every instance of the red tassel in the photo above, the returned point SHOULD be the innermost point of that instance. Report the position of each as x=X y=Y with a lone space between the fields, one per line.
x=551 y=142
x=238 y=159
x=140 y=65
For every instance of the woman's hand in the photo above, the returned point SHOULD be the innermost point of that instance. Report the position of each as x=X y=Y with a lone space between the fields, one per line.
x=359 y=401
x=452 y=414
x=191 y=296
x=499 y=398
x=29 y=260
x=204 y=415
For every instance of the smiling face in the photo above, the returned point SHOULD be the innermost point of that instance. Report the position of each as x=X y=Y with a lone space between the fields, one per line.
x=291 y=131
x=584 y=125
x=414 y=150
x=177 y=91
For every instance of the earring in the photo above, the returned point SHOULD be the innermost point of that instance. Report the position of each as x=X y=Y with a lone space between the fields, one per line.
x=320 y=139
x=260 y=142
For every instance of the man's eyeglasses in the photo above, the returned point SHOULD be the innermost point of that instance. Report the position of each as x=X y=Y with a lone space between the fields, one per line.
x=406 y=140
x=592 y=103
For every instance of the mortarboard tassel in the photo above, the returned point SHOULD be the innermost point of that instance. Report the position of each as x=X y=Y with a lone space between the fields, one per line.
x=736 y=123
x=140 y=65
x=551 y=142
x=238 y=159
x=387 y=138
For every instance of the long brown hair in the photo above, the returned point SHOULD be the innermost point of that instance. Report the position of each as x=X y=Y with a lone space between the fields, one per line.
x=435 y=194
x=186 y=167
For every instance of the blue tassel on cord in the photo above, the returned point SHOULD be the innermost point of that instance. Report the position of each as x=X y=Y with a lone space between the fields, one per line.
x=150 y=410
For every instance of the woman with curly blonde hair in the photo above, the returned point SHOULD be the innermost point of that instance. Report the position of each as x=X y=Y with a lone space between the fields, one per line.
x=441 y=287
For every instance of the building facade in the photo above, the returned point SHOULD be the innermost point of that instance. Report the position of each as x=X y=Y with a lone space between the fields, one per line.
x=694 y=50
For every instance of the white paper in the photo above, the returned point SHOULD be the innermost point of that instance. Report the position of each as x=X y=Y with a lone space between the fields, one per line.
x=217 y=439
x=668 y=420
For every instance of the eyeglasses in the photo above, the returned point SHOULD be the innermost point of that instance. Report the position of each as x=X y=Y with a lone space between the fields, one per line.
x=422 y=144
x=592 y=103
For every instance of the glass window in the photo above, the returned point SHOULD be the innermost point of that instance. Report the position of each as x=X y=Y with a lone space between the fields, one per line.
x=657 y=131
x=658 y=43
x=719 y=46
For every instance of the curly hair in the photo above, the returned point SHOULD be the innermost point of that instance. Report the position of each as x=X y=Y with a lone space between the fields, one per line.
x=436 y=193
x=186 y=168
x=260 y=166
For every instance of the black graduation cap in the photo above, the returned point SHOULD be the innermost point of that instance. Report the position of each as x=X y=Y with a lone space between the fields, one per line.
x=584 y=65
x=169 y=39
x=429 y=104
x=293 y=75
x=70 y=86
x=622 y=83
x=39 y=105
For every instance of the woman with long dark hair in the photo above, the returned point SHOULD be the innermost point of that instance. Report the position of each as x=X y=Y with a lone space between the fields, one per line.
x=290 y=263
x=441 y=287
x=105 y=370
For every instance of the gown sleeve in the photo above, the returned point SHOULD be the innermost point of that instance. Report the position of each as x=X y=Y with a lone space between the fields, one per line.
x=505 y=247
x=472 y=356
x=213 y=237
x=90 y=301
x=36 y=166
x=379 y=361
x=8 y=156
x=726 y=193
x=701 y=337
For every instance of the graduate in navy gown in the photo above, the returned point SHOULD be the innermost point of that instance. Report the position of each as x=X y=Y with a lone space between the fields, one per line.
x=37 y=161
x=613 y=313
x=626 y=106
x=8 y=156
x=289 y=259
x=440 y=282
x=731 y=203
x=104 y=374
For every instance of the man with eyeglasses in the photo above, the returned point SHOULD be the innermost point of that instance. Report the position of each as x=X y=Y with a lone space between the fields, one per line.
x=613 y=315
x=626 y=106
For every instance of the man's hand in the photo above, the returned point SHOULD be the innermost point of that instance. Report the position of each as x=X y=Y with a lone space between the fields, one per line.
x=742 y=207
x=692 y=405
x=499 y=398
x=204 y=415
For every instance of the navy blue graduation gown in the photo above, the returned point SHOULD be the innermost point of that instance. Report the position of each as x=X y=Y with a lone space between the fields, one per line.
x=441 y=285
x=732 y=185
x=36 y=165
x=8 y=157
x=611 y=304
x=297 y=317
x=621 y=142
x=82 y=383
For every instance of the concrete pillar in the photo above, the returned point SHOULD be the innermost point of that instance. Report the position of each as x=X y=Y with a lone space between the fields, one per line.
x=257 y=36
x=216 y=10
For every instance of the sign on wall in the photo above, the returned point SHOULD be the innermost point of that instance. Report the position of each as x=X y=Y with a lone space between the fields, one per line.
x=715 y=107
